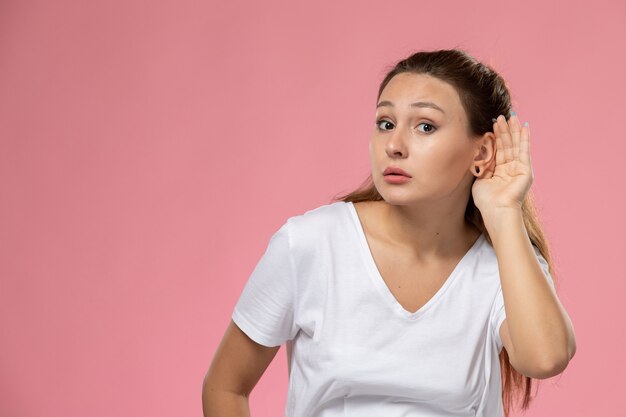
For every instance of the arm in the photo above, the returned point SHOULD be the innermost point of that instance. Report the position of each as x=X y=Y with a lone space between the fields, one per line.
x=537 y=333
x=237 y=366
x=218 y=402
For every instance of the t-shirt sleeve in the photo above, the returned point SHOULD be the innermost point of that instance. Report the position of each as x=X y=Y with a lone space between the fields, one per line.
x=499 y=313
x=265 y=308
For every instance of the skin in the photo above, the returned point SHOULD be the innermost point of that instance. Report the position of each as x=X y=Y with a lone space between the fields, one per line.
x=419 y=230
x=237 y=366
x=424 y=216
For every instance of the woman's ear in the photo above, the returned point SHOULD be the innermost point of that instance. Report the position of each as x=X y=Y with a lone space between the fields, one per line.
x=484 y=154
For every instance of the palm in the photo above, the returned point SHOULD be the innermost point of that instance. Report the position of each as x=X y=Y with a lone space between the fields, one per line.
x=507 y=181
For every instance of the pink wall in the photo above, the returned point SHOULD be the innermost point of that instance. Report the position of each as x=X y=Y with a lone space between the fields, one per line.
x=149 y=149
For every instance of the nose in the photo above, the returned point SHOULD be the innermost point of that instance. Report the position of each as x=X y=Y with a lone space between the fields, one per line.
x=396 y=143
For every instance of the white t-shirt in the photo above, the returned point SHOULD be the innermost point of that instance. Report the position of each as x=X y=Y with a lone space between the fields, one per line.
x=353 y=350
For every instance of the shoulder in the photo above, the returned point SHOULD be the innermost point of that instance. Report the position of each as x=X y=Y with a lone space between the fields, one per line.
x=317 y=228
x=319 y=219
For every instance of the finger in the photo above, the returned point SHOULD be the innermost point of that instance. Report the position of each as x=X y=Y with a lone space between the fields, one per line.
x=524 y=155
x=507 y=141
x=516 y=129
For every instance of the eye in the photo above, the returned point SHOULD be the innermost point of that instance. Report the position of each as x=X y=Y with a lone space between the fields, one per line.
x=432 y=128
x=379 y=121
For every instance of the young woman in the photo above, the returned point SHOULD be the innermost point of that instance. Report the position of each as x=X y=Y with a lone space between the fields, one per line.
x=428 y=291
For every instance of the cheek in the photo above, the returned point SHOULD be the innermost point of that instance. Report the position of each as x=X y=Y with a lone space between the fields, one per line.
x=453 y=165
x=440 y=168
x=454 y=159
x=376 y=153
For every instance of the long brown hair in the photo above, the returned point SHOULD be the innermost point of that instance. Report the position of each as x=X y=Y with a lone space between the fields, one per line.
x=484 y=95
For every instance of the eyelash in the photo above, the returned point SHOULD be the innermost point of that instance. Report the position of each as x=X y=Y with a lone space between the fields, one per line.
x=379 y=121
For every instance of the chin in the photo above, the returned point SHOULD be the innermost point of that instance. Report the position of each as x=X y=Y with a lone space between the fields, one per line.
x=396 y=198
x=397 y=202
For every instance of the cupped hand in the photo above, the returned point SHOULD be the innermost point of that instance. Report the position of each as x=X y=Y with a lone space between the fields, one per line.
x=507 y=180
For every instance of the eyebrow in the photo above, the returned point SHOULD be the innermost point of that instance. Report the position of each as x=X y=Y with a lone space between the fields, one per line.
x=428 y=104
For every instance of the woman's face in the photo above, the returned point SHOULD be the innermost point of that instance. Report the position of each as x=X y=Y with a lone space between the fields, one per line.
x=431 y=145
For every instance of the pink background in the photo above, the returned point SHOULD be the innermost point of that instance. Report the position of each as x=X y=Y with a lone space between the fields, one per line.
x=150 y=149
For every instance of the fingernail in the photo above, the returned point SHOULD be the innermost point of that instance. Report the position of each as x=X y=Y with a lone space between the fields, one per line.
x=513 y=114
x=493 y=120
x=527 y=124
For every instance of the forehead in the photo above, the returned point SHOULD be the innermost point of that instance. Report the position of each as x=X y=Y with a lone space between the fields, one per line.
x=406 y=88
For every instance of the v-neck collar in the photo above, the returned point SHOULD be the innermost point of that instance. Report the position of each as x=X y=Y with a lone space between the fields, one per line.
x=380 y=283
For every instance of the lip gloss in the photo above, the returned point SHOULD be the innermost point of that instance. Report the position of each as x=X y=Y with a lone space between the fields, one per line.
x=396 y=179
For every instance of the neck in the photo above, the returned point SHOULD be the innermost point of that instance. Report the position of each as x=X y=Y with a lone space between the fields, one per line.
x=427 y=232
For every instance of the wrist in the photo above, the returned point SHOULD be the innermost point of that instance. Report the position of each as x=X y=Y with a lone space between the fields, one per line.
x=500 y=219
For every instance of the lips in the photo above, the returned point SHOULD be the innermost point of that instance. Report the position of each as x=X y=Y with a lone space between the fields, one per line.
x=396 y=171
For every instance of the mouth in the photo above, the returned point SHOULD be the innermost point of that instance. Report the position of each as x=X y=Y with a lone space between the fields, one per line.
x=396 y=178
x=395 y=172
